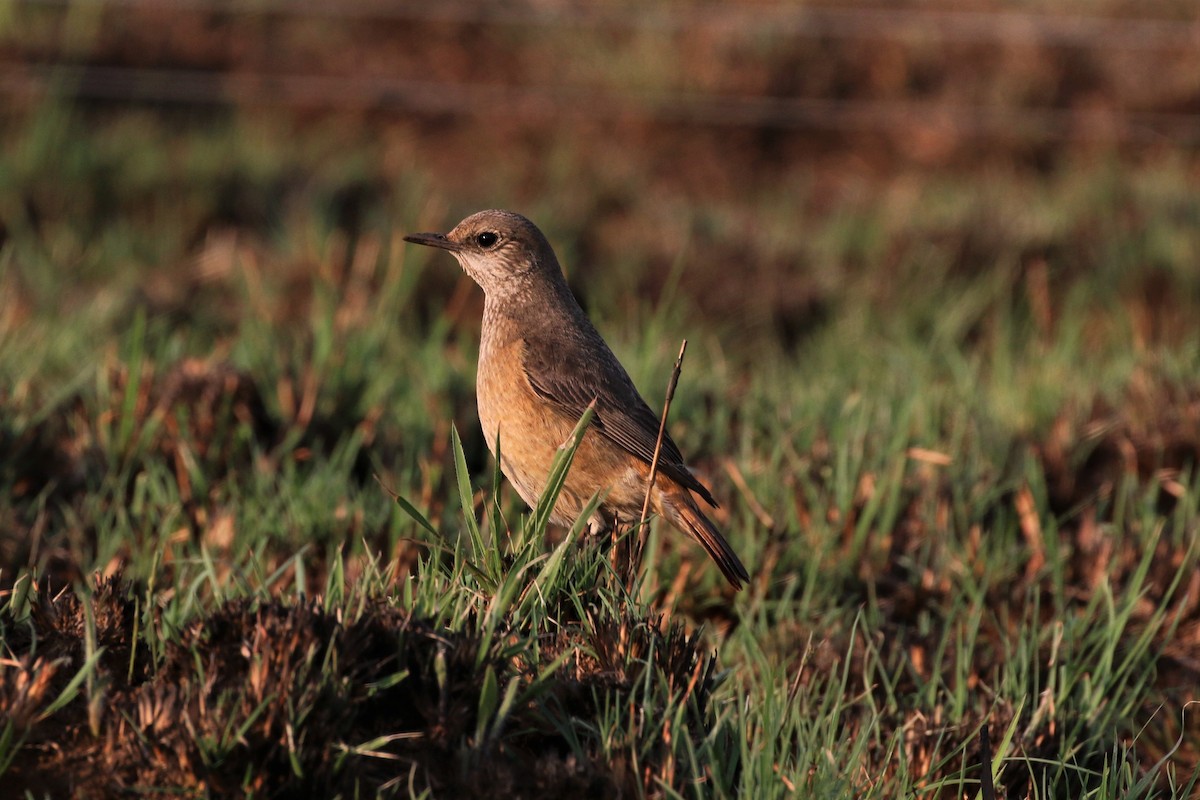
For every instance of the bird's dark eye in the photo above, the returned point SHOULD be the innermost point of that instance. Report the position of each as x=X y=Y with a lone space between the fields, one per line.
x=486 y=239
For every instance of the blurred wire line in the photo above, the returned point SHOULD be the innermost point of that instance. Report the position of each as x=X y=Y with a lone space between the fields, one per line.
x=551 y=102
x=1079 y=30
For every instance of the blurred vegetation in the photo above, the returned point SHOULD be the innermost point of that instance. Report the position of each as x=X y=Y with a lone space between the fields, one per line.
x=939 y=272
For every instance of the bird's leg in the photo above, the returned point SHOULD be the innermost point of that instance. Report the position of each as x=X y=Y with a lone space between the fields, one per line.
x=597 y=525
x=622 y=549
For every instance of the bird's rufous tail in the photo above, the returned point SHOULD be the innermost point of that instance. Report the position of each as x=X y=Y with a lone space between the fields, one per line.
x=681 y=511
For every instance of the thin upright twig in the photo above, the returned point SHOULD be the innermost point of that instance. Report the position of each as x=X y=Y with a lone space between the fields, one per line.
x=662 y=432
x=987 y=789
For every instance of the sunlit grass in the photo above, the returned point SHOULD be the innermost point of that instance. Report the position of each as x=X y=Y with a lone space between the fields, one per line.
x=959 y=492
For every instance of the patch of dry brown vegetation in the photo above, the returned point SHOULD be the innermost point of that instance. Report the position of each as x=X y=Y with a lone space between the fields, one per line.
x=311 y=703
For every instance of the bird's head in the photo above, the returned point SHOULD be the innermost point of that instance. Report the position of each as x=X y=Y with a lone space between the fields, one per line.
x=503 y=252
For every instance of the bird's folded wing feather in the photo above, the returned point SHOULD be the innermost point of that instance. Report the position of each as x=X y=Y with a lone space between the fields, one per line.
x=621 y=415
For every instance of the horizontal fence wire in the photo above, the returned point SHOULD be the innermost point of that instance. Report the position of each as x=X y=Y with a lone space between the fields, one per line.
x=549 y=102
x=1063 y=28
x=199 y=87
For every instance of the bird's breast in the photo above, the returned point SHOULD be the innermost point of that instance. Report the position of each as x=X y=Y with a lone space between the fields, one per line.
x=502 y=389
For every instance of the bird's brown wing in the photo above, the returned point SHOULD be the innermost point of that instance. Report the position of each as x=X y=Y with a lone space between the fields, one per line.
x=571 y=380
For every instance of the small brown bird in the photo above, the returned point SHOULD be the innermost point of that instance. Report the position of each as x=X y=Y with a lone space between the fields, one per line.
x=541 y=362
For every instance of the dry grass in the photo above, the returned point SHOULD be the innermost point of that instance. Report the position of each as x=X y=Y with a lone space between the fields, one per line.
x=942 y=376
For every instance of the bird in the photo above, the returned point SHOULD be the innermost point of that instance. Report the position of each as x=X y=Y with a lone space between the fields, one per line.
x=541 y=364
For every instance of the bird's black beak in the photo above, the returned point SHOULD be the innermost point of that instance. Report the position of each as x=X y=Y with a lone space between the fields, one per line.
x=433 y=240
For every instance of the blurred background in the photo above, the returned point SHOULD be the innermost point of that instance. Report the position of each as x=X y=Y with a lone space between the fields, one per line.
x=722 y=134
